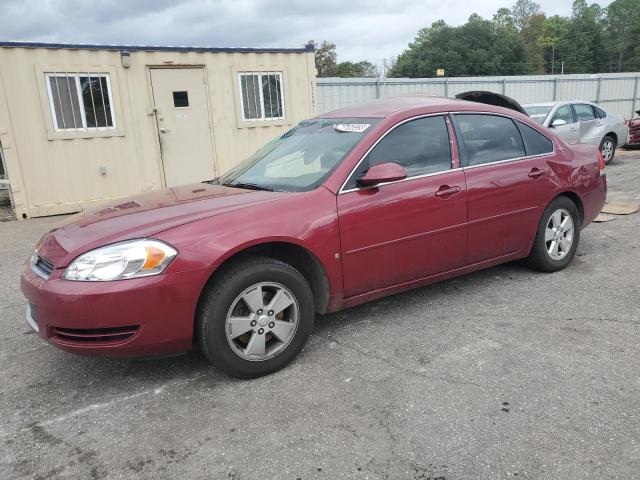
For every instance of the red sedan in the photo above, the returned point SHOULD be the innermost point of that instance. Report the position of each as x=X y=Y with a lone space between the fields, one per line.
x=360 y=203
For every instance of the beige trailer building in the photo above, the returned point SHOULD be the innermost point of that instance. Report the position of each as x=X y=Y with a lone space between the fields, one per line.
x=82 y=124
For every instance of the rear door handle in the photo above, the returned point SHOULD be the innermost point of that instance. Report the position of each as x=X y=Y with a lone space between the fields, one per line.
x=536 y=172
x=446 y=191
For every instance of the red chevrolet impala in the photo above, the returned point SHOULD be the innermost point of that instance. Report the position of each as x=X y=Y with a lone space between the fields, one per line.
x=354 y=205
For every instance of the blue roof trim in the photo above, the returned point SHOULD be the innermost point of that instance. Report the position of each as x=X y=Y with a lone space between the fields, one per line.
x=151 y=48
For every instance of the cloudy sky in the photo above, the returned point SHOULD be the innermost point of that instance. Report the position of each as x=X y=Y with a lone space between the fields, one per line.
x=371 y=29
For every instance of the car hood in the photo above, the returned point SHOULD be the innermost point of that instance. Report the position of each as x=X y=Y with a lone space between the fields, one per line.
x=143 y=216
x=491 y=98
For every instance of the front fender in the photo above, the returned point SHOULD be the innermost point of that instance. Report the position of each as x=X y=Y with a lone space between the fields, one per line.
x=308 y=220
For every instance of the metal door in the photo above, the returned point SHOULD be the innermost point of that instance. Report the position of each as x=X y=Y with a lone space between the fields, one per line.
x=182 y=114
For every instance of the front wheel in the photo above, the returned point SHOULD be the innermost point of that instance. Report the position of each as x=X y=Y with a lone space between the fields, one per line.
x=557 y=236
x=255 y=318
x=608 y=149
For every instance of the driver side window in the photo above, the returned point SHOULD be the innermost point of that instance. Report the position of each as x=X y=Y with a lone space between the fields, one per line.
x=420 y=146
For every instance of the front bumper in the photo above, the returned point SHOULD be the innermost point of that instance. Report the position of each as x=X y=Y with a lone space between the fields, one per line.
x=127 y=318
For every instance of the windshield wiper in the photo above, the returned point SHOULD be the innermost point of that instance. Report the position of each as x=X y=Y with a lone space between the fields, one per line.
x=249 y=186
x=214 y=181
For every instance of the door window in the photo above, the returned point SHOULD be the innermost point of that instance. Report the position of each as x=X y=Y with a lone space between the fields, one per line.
x=535 y=143
x=180 y=99
x=600 y=113
x=488 y=138
x=584 y=112
x=420 y=146
x=563 y=113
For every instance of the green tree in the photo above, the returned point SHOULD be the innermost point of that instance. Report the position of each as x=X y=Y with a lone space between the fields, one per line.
x=327 y=64
x=623 y=28
x=523 y=11
x=479 y=47
x=363 y=68
x=326 y=59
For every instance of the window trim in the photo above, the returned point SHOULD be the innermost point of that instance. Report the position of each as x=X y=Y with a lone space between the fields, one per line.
x=343 y=188
x=280 y=94
x=83 y=114
x=51 y=134
x=463 y=153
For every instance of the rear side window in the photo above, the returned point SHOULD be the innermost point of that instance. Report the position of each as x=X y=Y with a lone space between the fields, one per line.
x=584 y=112
x=600 y=113
x=488 y=138
x=534 y=142
x=420 y=146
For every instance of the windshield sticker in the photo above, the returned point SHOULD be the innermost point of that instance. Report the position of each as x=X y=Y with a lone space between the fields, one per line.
x=351 y=127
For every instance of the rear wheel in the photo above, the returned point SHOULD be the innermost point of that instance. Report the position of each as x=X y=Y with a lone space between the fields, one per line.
x=255 y=318
x=557 y=236
x=608 y=149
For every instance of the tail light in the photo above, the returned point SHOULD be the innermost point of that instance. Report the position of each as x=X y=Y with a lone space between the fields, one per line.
x=601 y=164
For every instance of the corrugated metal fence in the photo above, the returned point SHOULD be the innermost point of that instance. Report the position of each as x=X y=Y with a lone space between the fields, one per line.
x=616 y=92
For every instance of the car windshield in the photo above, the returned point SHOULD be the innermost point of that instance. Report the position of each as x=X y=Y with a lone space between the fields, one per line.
x=302 y=158
x=537 y=112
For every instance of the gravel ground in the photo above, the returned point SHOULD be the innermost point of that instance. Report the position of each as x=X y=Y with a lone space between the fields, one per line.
x=505 y=373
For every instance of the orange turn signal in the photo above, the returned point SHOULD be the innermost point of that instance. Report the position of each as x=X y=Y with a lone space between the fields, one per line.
x=155 y=256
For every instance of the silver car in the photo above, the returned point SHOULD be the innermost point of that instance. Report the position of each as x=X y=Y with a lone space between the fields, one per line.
x=582 y=122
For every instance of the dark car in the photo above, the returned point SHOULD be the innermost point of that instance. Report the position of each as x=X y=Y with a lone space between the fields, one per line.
x=360 y=203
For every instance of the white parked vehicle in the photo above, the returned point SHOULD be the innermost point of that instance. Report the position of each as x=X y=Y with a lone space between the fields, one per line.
x=582 y=122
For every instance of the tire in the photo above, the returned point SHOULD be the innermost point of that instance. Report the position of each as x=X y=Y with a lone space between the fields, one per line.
x=542 y=255
x=608 y=149
x=237 y=294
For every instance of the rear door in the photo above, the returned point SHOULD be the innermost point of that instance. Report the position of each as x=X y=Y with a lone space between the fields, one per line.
x=508 y=182
x=569 y=132
x=591 y=128
x=409 y=229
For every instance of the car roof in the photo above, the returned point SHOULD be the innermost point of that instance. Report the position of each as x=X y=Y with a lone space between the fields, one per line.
x=564 y=102
x=388 y=106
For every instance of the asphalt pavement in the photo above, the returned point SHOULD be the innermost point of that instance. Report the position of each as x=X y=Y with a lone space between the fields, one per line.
x=505 y=373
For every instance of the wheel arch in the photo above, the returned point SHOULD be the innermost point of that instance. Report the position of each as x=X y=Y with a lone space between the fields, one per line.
x=613 y=135
x=575 y=198
x=299 y=257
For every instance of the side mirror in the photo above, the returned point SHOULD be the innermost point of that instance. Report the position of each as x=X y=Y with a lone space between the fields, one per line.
x=382 y=173
x=558 y=122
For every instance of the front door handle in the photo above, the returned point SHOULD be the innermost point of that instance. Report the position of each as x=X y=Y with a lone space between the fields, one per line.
x=446 y=191
x=536 y=172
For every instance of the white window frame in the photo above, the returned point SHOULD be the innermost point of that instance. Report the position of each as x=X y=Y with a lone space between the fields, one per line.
x=83 y=116
x=260 y=74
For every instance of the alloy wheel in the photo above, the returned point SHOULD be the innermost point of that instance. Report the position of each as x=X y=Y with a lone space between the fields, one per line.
x=558 y=235
x=262 y=321
x=607 y=150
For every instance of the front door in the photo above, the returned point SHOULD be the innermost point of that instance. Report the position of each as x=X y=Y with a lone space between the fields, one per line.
x=569 y=132
x=409 y=229
x=182 y=114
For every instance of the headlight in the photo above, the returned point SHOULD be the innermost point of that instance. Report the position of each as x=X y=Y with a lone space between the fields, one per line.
x=130 y=259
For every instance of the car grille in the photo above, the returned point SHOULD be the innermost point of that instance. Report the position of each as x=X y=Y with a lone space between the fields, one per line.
x=94 y=335
x=42 y=267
